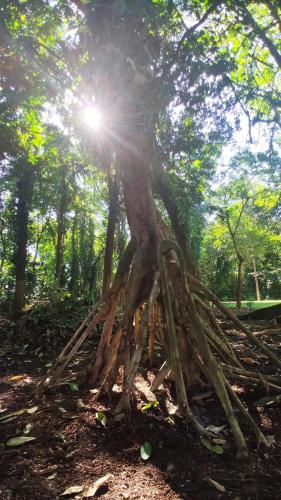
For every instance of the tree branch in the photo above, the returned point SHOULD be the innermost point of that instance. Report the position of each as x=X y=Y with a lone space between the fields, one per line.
x=261 y=33
x=188 y=32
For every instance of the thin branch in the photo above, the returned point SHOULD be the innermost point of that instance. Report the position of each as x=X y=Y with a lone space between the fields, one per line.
x=188 y=32
x=260 y=32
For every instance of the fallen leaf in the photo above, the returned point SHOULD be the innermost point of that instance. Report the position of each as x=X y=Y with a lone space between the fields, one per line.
x=170 y=420
x=17 y=441
x=90 y=491
x=151 y=404
x=80 y=404
x=73 y=387
x=71 y=490
x=215 y=448
x=32 y=410
x=17 y=377
x=215 y=429
x=217 y=485
x=145 y=451
x=8 y=420
x=14 y=414
x=94 y=391
x=52 y=476
x=101 y=417
x=27 y=428
x=249 y=361
x=62 y=410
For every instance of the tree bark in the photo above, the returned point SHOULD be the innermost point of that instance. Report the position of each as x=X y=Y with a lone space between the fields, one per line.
x=178 y=225
x=239 y=285
x=74 y=266
x=38 y=239
x=111 y=225
x=63 y=202
x=24 y=195
x=256 y=280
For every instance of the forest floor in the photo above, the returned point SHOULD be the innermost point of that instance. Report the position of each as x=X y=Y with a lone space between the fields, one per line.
x=72 y=447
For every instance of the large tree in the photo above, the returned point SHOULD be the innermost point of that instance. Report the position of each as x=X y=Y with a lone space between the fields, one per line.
x=138 y=61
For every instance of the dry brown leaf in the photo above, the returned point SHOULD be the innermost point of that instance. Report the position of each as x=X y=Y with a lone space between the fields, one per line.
x=71 y=490
x=217 y=485
x=249 y=361
x=17 y=377
x=90 y=491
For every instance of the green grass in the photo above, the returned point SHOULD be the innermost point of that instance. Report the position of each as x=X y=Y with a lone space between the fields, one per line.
x=253 y=304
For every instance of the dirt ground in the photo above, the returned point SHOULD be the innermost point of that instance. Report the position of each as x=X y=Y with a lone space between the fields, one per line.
x=72 y=447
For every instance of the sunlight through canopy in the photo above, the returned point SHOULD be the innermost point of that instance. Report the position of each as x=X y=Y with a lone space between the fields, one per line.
x=92 y=117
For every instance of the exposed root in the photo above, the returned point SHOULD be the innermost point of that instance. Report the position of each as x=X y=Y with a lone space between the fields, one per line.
x=174 y=349
x=152 y=334
x=221 y=337
x=258 y=433
x=250 y=374
x=99 y=312
x=161 y=375
x=214 y=299
x=112 y=355
x=124 y=403
x=269 y=332
x=182 y=321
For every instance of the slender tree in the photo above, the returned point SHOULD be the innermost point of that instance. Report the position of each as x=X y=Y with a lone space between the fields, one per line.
x=23 y=200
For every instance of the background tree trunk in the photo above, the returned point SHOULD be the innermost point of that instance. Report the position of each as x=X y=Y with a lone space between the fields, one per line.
x=113 y=190
x=74 y=266
x=239 y=285
x=63 y=202
x=256 y=280
x=24 y=195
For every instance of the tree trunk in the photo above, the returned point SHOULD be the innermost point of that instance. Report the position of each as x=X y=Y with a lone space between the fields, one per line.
x=179 y=226
x=24 y=195
x=121 y=233
x=191 y=339
x=111 y=224
x=74 y=266
x=63 y=202
x=256 y=280
x=3 y=244
x=239 y=284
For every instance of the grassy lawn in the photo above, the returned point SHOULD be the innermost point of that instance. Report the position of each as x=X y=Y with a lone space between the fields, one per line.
x=254 y=304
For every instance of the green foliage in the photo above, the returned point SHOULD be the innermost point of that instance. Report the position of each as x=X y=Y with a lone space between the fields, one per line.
x=145 y=451
x=245 y=226
x=101 y=417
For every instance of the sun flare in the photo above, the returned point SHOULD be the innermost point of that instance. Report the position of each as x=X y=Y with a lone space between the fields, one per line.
x=92 y=117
